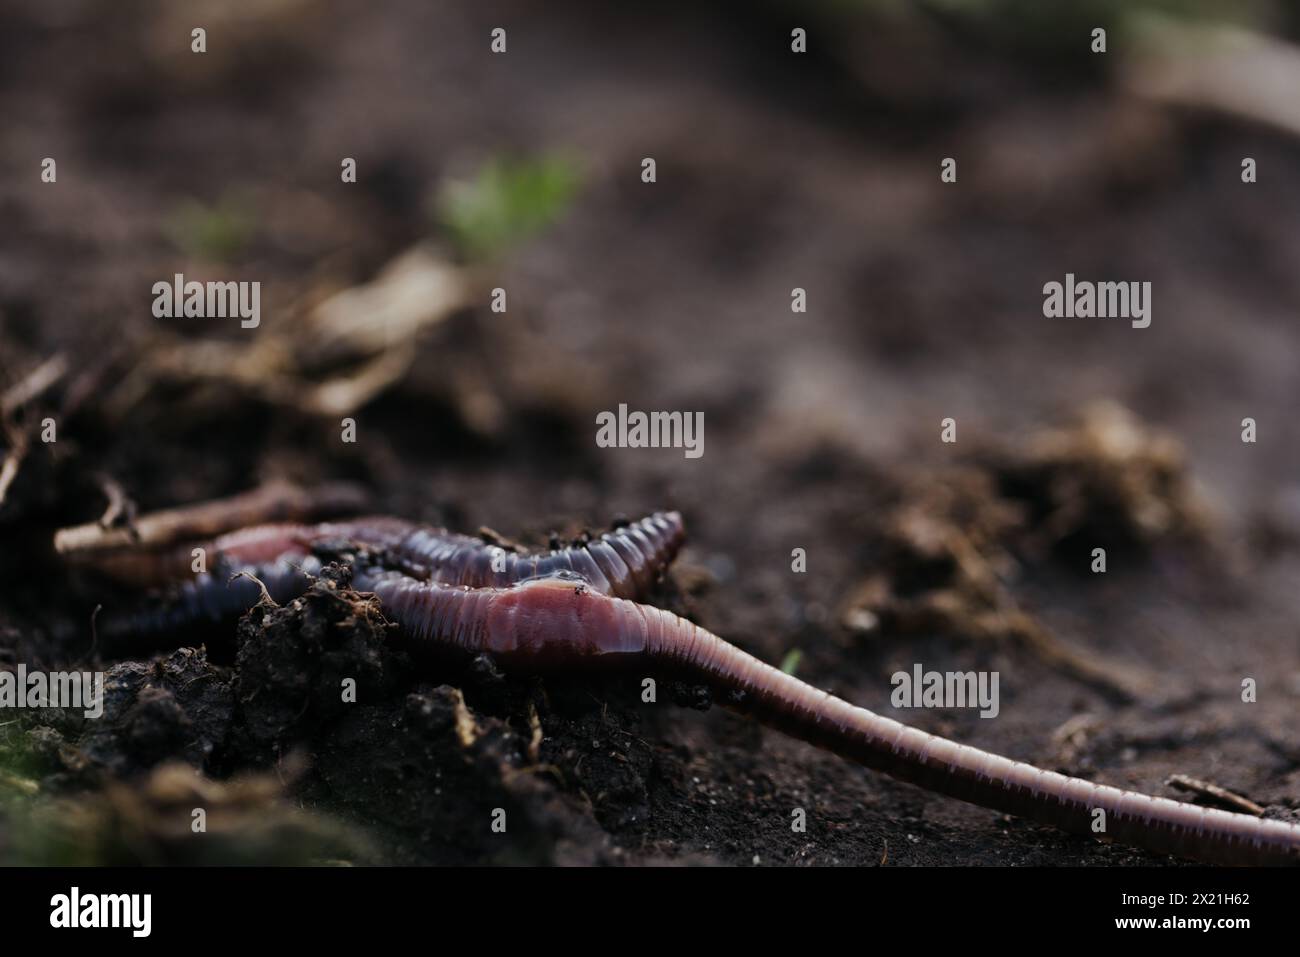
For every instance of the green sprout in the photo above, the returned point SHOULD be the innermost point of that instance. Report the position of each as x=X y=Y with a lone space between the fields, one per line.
x=505 y=203
x=219 y=232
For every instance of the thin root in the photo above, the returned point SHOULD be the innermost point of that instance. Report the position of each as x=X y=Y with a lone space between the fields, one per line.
x=1215 y=794
x=266 y=598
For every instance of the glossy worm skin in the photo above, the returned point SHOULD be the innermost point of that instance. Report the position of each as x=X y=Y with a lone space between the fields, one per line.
x=558 y=625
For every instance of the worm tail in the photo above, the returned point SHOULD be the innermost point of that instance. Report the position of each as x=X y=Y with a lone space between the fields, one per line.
x=969 y=774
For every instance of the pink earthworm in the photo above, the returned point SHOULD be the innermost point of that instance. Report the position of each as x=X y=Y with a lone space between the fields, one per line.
x=558 y=625
x=624 y=562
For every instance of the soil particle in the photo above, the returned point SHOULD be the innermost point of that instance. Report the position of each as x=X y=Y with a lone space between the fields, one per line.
x=300 y=667
x=441 y=784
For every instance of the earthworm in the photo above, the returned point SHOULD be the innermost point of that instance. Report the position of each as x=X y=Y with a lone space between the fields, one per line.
x=569 y=608
x=557 y=624
x=623 y=563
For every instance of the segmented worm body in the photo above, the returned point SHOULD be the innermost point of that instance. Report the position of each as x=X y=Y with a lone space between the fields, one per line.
x=557 y=625
x=623 y=563
x=571 y=608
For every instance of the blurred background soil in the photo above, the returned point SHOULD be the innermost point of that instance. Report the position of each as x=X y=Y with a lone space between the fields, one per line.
x=774 y=171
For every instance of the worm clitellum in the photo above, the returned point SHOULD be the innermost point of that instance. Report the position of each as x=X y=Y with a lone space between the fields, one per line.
x=566 y=621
